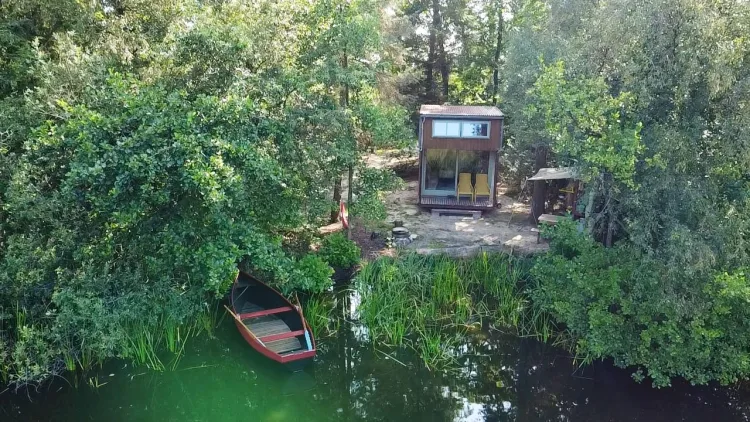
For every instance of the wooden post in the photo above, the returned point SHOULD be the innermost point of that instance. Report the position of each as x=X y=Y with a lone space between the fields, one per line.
x=539 y=193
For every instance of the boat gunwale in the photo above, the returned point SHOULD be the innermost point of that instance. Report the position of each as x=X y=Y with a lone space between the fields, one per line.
x=255 y=341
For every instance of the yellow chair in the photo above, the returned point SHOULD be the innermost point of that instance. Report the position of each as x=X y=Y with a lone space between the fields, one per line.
x=482 y=186
x=464 y=185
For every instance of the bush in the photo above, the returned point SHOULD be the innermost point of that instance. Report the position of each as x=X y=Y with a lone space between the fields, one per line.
x=339 y=252
x=315 y=274
x=623 y=304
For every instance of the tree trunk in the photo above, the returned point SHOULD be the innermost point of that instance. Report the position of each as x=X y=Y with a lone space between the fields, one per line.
x=429 y=68
x=344 y=102
x=498 y=49
x=440 y=57
x=344 y=92
x=349 y=199
x=539 y=194
x=433 y=54
x=610 y=230
x=336 y=199
x=444 y=73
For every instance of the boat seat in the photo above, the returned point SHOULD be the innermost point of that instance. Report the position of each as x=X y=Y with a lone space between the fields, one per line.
x=264 y=312
x=281 y=336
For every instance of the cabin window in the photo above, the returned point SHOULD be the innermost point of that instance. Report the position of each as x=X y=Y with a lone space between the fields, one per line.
x=475 y=130
x=460 y=129
x=440 y=171
x=474 y=162
x=446 y=129
x=441 y=168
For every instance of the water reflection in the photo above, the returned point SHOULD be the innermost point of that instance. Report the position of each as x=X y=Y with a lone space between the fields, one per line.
x=499 y=378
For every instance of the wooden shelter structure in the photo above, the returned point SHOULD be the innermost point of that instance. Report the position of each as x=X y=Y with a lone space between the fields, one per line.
x=560 y=195
x=458 y=150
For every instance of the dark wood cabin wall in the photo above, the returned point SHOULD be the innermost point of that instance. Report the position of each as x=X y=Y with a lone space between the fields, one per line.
x=463 y=144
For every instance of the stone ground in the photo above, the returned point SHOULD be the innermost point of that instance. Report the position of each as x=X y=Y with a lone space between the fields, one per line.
x=505 y=228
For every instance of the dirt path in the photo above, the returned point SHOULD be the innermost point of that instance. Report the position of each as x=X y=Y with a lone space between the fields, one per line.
x=507 y=228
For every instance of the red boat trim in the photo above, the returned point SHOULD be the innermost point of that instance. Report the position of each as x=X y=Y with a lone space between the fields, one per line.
x=274 y=337
x=297 y=356
x=265 y=312
x=259 y=346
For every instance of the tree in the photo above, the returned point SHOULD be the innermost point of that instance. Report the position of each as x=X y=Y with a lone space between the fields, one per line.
x=590 y=130
x=660 y=112
x=154 y=146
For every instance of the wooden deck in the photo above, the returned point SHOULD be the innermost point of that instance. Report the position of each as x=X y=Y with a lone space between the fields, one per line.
x=270 y=325
x=453 y=202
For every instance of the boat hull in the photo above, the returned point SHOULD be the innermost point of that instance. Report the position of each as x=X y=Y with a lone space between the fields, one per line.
x=289 y=341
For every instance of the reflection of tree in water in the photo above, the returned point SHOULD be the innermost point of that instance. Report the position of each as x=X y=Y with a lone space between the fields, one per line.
x=371 y=387
x=541 y=383
x=500 y=378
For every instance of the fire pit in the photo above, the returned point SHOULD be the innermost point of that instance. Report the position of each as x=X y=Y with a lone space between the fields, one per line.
x=401 y=236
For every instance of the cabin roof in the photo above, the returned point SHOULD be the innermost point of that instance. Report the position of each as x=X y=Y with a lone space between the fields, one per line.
x=554 y=173
x=434 y=110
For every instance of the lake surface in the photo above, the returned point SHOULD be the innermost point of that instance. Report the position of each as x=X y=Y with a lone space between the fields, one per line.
x=499 y=378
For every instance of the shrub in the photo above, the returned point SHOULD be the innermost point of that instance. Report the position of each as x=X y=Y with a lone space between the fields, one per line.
x=644 y=313
x=315 y=274
x=339 y=252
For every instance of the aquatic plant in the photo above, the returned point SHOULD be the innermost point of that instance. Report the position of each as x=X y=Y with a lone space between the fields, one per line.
x=318 y=310
x=425 y=301
x=146 y=341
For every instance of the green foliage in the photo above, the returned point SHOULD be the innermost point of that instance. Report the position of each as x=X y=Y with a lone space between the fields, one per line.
x=143 y=158
x=383 y=126
x=370 y=187
x=319 y=311
x=589 y=127
x=619 y=303
x=657 y=124
x=316 y=274
x=338 y=251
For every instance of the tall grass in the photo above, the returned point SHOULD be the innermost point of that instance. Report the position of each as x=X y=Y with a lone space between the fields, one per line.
x=424 y=301
x=318 y=310
x=146 y=342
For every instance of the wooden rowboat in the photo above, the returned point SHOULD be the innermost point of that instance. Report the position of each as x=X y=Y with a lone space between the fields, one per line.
x=269 y=322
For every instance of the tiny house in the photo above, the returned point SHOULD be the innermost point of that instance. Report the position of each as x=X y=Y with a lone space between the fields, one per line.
x=458 y=150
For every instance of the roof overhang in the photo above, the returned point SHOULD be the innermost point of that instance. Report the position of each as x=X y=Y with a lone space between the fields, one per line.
x=460 y=111
x=554 y=173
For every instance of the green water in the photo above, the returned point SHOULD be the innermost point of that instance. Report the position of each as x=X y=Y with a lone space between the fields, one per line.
x=498 y=378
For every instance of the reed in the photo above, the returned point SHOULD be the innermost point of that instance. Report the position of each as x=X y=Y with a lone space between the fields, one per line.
x=182 y=341
x=208 y=319
x=86 y=359
x=69 y=360
x=142 y=347
x=171 y=335
x=318 y=312
x=414 y=300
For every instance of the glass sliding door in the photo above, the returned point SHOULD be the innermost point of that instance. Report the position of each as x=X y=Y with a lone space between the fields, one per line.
x=474 y=162
x=480 y=165
x=440 y=172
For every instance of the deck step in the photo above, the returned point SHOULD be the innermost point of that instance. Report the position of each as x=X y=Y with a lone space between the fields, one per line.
x=475 y=214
